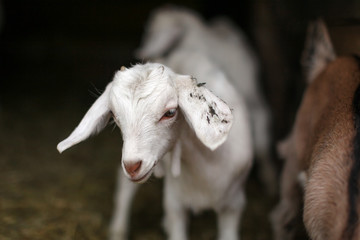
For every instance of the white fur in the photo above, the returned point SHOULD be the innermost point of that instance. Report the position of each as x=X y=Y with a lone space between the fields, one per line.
x=205 y=164
x=227 y=47
x=207 y=190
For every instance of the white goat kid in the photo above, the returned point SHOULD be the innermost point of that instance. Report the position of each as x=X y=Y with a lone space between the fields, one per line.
x=173 y=30
x=159 y=112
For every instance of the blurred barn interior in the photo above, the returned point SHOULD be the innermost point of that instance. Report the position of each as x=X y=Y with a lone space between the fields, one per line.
x=55 y=57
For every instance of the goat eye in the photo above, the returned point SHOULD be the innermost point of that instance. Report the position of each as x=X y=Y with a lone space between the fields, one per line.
x=169 y=114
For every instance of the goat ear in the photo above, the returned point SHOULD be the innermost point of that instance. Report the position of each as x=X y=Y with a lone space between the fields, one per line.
x=209 y=116
x=158 y=41
x=93 y=122
x=318 y=51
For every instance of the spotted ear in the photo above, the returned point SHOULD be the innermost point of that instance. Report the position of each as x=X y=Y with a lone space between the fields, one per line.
x=209 y=116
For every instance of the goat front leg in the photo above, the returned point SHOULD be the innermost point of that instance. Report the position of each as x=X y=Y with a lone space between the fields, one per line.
x=175 y=219
x=284 y=216
x=229 y=218
x=125 y=191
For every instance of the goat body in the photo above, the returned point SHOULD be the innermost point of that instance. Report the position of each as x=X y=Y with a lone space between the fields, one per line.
x=175 y=31
x=169 y=122
x=323 y=147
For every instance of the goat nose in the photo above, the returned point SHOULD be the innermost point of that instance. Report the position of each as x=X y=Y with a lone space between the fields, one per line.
x=132 y=168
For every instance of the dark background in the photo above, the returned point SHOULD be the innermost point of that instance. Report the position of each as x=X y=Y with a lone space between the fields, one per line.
x=54 y=57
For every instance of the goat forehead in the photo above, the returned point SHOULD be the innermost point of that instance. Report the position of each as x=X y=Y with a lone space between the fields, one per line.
x=140 y=83
x=139 y=96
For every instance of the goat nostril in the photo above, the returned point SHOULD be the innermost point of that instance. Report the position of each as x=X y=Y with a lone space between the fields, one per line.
x=133 y=168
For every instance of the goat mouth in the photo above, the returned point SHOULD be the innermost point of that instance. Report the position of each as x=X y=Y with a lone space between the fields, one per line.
x=143 y=178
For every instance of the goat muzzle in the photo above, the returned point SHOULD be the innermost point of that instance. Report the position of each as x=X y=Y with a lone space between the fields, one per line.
x=133 y=168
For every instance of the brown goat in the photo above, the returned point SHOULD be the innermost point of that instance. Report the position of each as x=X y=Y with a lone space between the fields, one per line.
x=322 y=152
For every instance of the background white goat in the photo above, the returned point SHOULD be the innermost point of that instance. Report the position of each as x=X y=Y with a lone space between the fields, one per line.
x=321 y=152
x=171 y=30
x=159 y=112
